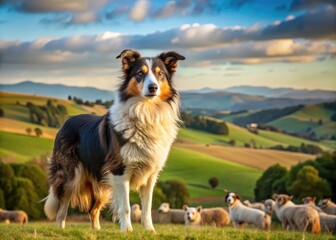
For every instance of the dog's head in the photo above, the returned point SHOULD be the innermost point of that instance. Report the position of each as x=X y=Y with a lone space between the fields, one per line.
x=135 y=207
x=281 y=199
x=164 y=208
x=191 y=214
x=231 y=197
x=149 y=78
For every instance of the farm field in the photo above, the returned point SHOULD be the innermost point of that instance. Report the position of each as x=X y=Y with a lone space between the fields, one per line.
x=255 y=158
x=48 y=230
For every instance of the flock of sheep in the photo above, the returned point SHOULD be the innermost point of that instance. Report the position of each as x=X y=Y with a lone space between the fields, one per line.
x=307 y=217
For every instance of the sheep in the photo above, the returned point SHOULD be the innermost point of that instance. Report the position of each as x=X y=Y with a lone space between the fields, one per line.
x=176 y=215
x=241 y=214
x=255 y=205
x=202 y=217
x=13 y=216
x=269 y=206
x=135 y=213
x=327 y=206
x=328 y=221
x=296 y=217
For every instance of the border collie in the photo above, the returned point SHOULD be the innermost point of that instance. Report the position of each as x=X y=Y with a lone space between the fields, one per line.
x=97 y=159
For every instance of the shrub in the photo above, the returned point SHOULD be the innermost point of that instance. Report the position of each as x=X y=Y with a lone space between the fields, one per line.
x=213 y=182
x=2 y=112
x=38 y=132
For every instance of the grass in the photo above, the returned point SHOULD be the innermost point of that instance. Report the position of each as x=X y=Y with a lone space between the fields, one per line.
x=23 y=147
x=265 y=139
x=47 y=230
x=196 y=168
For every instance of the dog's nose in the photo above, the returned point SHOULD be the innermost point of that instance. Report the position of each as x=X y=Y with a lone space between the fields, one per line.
x=152 y=88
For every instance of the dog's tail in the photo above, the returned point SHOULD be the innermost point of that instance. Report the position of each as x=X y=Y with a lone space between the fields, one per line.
x=51 y=205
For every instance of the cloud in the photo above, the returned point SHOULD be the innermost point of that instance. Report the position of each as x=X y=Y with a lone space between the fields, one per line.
x=139 y=10
x=310 y=4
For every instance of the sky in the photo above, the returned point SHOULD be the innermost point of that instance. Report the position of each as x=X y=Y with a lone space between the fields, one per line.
x=283 y=43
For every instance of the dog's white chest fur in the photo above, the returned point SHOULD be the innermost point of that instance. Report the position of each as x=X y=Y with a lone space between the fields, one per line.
x=149 y=126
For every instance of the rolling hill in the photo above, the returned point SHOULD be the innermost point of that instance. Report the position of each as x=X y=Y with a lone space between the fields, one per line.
x=189 y=160
x=303 y=119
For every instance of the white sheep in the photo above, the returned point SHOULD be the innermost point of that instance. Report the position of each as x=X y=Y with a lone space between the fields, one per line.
x=296 y=217
x=175 y=216
x=135 y=213
x=328 y=221
x=256 y=205
x=202 y=217
x=241 y=214
x=269 y=205
x=327 y=206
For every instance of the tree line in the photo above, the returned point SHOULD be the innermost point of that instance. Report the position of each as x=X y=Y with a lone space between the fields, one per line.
x=22 y=186
x=50 y=115
x=310 y=178
x=205 y=124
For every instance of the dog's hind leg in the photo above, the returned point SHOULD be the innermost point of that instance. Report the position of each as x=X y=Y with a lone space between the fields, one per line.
x=95 y=213
x=62 y=211
x=146 y=195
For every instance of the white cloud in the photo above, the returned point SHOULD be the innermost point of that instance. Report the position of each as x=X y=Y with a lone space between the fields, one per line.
x=139 y=10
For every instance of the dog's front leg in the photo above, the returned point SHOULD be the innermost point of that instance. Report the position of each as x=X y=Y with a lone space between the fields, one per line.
x=146 y=195
x=121 y=189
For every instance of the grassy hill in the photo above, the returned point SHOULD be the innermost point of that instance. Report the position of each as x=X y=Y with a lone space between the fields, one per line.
x=265 y=139
x=194 y=165
x=302 y=121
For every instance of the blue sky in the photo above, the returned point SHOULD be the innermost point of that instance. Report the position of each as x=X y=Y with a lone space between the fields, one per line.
x=284 y=43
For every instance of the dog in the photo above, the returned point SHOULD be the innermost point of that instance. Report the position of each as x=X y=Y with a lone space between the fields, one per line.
x=96 y=160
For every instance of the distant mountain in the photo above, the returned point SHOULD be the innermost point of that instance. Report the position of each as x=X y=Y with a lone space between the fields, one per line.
x=223 y=101
x=283 y=92
x=206 y=100
x=58 y=90
x=273 y=92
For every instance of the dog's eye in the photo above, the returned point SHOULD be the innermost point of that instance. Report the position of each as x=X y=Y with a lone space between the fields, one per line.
x=140 y=73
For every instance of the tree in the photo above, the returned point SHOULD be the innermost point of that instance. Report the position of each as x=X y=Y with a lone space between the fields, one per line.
x=2 y=112
x=38 y=132
x=69 y=97
x=232 y=142
x=176 y=192
x=29 y=130
x=308 y=183
x=263 y=189
x=213 y=182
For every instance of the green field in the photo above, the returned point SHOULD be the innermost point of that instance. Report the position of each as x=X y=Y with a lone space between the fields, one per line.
x=22 y=148
x=265 y=139
x=195 y=169
x=48 y=230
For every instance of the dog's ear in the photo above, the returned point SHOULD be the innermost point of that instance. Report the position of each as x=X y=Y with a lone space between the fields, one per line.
x=290 y=197
x=226 y=191
x=275 y=196
x=263 y=201
x=199 y=209
x=171 y=59
x=237 y=196
x=128 y=56
x=185 y=207
x=314 y=199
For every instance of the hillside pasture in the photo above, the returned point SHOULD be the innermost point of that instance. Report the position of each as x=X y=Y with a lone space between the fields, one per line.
x=255 y=158
x=195 y=168
x=21 y=148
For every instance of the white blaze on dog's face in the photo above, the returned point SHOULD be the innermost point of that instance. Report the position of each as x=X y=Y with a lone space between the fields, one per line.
x=231 y=198
x=150 y=78
x=135 y=207
x=164 y=208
